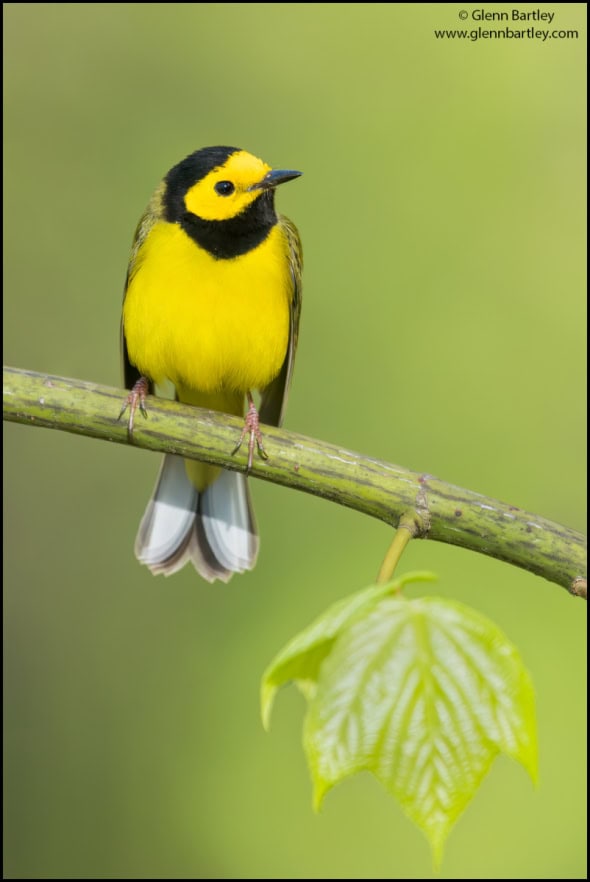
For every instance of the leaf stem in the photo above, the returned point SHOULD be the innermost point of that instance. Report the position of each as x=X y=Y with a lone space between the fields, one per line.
x=410 y=525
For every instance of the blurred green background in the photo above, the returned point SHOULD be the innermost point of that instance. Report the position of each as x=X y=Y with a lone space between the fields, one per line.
x=442 y=211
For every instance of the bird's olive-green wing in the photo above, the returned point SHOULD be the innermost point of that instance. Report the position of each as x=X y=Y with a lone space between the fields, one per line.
x=274 y=397
x=152 y=213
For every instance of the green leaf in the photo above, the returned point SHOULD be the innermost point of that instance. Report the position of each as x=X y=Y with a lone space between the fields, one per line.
x=300 y=659
x=423 y=693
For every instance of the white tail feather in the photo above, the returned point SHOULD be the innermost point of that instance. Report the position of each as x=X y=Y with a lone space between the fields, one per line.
x=228 y=522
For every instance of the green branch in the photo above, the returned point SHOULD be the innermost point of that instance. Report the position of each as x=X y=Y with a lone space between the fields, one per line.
x=385 y=491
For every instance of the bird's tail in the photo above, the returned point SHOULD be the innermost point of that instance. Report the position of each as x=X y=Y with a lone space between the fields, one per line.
x=214 y=529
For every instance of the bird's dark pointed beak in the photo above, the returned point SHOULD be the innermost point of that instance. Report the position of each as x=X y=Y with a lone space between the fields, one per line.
x=274 y=178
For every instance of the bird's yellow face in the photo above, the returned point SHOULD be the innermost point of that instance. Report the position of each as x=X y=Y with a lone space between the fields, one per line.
x=226 y=191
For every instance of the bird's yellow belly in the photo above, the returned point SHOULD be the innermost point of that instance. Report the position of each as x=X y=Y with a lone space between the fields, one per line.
x=208 y=324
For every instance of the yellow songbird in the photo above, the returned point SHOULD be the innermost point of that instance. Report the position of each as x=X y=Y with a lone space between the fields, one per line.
x=212 y=303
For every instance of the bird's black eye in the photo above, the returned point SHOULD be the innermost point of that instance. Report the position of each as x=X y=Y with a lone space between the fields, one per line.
x=224 y=188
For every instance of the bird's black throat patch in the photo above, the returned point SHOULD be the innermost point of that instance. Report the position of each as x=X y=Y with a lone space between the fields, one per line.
x=230 y=238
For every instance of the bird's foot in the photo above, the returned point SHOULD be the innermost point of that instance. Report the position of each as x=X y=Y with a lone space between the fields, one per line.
x=135 y=399
x=252 y=429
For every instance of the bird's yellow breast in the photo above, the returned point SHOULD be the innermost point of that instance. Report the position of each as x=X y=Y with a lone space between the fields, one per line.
x=204 y=323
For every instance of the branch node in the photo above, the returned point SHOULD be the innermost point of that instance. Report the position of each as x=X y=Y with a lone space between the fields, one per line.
x=416 y=522
x=579 y=588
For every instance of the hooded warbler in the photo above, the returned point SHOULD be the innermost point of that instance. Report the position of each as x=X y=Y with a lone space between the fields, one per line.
x=212 y=304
